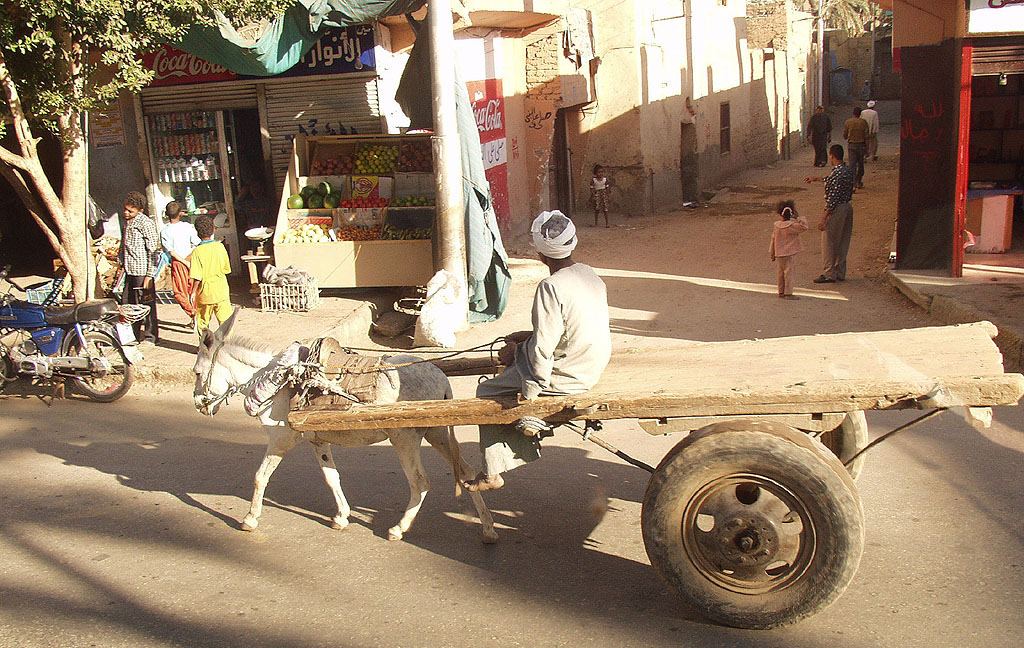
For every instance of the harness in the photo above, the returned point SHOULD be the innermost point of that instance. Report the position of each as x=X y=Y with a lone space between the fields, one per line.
x=310 y=378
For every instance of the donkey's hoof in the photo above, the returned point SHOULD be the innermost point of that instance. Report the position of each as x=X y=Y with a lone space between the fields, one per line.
x=249 y=525
x=339 y=523
x=395 y=533
x=489 y=538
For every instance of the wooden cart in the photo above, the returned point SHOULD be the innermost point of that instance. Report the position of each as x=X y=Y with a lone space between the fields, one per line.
x=752 y=518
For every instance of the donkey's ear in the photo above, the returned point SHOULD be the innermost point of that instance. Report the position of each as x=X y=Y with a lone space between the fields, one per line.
x=206 y=338
x=224 y=330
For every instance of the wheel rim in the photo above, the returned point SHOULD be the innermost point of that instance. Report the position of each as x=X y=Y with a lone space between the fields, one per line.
x=104 y=382
x=748 y=534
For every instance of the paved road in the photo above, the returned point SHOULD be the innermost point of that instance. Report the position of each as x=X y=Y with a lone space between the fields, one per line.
x=120 y=528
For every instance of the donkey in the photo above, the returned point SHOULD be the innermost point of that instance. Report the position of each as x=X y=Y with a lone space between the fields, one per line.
x=225 y=363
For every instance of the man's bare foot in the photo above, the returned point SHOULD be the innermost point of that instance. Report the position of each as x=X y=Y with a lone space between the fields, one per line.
x=484 y=483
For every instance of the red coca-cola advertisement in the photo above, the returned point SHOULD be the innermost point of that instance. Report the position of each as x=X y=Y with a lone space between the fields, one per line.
x=489 y=110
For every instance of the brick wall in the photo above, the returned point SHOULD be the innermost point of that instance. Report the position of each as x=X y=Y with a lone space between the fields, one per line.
x=542 y=69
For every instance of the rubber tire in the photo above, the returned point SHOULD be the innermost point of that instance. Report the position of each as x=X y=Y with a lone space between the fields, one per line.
x=849 y=438
x=790 y=458
x=92 y=335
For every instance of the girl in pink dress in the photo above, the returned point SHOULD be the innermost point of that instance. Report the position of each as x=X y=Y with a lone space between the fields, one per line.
x=785 y=245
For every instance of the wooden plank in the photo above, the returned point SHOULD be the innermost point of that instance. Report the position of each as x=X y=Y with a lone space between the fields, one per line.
x=822 y=396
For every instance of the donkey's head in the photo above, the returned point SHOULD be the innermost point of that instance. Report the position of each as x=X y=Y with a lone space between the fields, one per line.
x=213 y=379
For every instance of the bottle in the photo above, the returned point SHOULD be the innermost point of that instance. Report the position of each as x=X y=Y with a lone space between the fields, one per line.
x=190 y=200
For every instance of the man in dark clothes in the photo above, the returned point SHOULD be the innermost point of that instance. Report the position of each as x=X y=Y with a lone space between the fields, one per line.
x=856 y=132
x=819 y=129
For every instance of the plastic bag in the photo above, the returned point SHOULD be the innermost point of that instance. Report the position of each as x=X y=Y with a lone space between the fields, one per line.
x=445 y=311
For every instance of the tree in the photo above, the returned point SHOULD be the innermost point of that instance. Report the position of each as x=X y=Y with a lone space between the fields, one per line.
x=60 y=58
x=851 y=16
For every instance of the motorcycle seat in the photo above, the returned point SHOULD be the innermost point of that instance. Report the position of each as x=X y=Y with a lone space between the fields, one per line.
x=86 y=311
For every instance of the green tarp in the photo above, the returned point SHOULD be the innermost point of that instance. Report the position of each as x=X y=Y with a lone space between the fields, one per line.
x=292 y=35
x=288 y=37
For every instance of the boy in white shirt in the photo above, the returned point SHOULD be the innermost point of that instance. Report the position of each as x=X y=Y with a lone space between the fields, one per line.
x=178 y=238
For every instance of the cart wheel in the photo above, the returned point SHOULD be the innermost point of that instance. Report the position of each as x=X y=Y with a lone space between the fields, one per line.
x=848 y=439
x=753 y=523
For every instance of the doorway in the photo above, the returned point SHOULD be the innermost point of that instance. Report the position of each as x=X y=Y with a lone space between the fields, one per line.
x=688 y=163
x=253 y=199
x=561 y=167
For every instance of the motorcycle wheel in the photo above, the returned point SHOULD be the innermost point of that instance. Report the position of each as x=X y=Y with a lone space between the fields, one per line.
x=109 y=386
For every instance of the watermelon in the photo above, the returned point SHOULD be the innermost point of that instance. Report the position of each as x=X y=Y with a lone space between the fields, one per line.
x=315 y=201
x=296 y=201
x=324 y=188
x=332 y=200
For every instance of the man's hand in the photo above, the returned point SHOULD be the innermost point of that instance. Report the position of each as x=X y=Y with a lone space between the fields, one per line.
x=821 y=223
x=810 y=179
x=507 y=354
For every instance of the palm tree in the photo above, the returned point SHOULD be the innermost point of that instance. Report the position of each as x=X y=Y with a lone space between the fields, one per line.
x=851 y=16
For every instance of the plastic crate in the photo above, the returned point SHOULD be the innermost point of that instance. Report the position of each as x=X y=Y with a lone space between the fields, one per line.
x=290 y=297
x=47 y=294
x=165 y=297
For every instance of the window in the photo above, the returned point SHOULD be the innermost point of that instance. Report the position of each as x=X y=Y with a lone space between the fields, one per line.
x=723 y=121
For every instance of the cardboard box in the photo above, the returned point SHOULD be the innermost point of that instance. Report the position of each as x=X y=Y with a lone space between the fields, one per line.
x=367 y=186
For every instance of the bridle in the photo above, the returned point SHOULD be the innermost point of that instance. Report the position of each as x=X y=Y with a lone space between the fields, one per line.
x=207 y=403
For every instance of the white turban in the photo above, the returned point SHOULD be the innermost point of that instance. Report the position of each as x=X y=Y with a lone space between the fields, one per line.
x=871 y=104
x=554 y=234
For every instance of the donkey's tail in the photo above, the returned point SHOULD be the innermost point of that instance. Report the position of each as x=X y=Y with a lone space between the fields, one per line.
x=453 y=448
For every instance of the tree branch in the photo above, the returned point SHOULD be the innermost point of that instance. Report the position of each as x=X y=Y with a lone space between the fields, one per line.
x=21 y=127
x=14 y=177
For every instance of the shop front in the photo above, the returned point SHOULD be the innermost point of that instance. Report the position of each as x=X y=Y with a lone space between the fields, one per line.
x=220 y=143
x=962 y=138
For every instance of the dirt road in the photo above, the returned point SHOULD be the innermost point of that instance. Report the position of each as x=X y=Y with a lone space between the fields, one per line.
x=119 y=524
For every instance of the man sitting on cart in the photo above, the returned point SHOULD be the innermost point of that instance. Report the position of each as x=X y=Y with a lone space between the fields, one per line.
x=565 y=353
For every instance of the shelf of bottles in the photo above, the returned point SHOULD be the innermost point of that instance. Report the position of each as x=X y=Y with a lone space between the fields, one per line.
x=185 y=146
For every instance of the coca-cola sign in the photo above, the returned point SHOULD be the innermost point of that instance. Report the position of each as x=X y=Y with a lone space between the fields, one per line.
x=488 y=116
x=170 y=65
x=339 y=51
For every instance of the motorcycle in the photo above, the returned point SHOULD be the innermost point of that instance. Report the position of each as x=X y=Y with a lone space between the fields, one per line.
x=83 y=343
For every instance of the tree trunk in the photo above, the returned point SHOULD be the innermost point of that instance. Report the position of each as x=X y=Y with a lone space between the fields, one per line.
x=72 y=220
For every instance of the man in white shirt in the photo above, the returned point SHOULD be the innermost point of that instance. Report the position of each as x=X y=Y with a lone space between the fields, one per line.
x=178 y=238
x=870 y=115
x=565 y=353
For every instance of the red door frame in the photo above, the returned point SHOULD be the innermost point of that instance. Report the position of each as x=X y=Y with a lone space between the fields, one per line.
x=962 y=160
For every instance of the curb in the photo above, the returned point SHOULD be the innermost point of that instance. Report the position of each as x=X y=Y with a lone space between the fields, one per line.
x=350 y=331
x=949 y=311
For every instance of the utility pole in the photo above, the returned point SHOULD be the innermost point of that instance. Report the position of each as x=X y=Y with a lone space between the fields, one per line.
x=821 y=52
x=451 y=223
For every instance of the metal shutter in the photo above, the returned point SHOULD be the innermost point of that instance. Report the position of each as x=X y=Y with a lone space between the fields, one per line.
x=997 y=58
x=229 y=95
x=318 y=105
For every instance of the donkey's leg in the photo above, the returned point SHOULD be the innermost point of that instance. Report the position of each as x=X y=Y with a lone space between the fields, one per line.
x=279 y=441
x=330 y=470
x=443 y=439
x=407 y=444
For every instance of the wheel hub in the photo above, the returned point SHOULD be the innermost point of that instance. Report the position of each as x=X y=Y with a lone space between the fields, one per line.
x=747 y=541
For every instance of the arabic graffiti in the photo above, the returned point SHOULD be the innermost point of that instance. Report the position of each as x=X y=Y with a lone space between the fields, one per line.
x=999 y=4
x=314 y=127
x=514 y=147
x=535 y=120
x=923 y=130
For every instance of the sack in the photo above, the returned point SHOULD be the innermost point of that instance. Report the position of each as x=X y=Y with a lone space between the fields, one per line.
x=445 y=311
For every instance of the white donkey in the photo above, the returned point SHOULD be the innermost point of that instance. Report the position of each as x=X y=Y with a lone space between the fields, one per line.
x=225 y=363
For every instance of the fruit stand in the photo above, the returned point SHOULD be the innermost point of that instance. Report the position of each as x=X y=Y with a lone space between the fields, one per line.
x=358 y=211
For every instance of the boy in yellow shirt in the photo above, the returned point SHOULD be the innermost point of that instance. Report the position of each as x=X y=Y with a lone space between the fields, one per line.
x=209 y=267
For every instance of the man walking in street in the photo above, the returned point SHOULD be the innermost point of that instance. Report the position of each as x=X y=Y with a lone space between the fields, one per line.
x=565 y=353
x=855 y=132
x=819 y=129
x=870 y=115
x=836 y=223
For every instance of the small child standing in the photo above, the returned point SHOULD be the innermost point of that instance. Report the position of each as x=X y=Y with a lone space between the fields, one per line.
x=208 y=270
x=785 y=245
x=599 y=193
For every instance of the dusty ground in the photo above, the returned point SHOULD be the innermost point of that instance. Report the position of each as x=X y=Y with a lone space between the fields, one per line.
x=119 y=524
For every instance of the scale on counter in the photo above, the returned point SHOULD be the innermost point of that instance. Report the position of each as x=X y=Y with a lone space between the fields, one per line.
x=259 y=236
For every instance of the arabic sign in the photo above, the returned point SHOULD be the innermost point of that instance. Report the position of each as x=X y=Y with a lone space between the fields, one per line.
x=489 y=111
x=106 y=127
x=342 y=50
x=996 y=16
